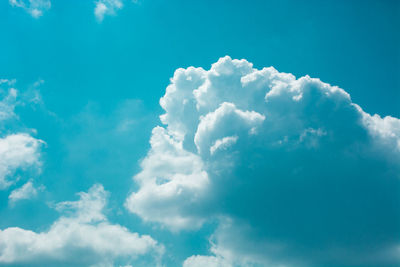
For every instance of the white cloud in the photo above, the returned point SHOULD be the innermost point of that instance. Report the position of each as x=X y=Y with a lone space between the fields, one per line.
x=302 y=174
x=34 y=7
x=17 y=151
x=106 y=7
x=209 y=261
x=224 y=143
x=27 y=191
x=7 y=105
x=175 y=177
x=225 y=120
x=82 y=236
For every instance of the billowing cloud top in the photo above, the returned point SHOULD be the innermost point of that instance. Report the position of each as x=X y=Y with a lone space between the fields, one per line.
x=294 y=172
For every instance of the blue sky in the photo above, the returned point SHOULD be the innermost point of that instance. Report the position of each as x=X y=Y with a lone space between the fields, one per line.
x=249 y=167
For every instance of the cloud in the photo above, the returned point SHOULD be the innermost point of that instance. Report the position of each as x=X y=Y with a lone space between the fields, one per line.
x=293 y=171
x=170 y=175
x=34 y=7
x=27 y=191
x=106 y=7
x=209 y=261
x=7 y=81
x=8 y=103
x=82 y=236
x=17 y=150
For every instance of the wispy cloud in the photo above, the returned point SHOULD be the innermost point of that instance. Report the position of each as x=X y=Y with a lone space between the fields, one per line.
x=18 y=150
x=34 y=7
x=27 y=191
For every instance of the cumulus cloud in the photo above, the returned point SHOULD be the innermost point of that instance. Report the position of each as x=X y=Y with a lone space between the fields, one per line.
x=82 y=236
x=106 y=7
x=295 y=173
x=171 y=174
x=17 y=150
x=34 y=7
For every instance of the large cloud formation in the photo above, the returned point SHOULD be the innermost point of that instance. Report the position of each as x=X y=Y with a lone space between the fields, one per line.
x=82 y=236
x=292 y=170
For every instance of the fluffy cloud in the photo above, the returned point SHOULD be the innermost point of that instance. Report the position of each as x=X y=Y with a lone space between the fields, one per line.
x=172 y=174
x=295 y=173
x=17 y=150
x=106 y=7
x=34 y=7
x=209 y=261
x=27 y=191
x=82 y=236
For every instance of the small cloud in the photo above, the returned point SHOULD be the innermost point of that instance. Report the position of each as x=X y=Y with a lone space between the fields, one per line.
x=34 y=7
x=17 y=151
x=7 y=81
x=7 y=104
x=27 y=191
x=106 y=7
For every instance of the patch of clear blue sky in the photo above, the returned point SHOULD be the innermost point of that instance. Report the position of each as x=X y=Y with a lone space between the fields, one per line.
x=99 y=75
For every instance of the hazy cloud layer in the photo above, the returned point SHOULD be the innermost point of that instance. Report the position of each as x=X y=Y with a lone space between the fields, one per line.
x=293 y=170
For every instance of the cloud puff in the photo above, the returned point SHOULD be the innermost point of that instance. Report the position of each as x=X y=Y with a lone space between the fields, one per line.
x=27 y=191
x=17 y=150
x=170 y=174
x=106 y=7
x=34 y=7
x=209 y=261
x=82 y=236
x=295 y=173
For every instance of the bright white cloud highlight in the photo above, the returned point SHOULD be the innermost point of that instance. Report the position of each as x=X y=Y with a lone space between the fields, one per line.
x=34 y=7
x=170 y=175
x=300 y=174
x=82 y=236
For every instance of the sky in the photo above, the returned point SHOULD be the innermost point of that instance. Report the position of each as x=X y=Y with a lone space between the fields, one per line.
x=200 y=133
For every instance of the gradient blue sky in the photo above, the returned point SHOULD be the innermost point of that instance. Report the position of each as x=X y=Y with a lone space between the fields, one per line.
x=100 y=82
